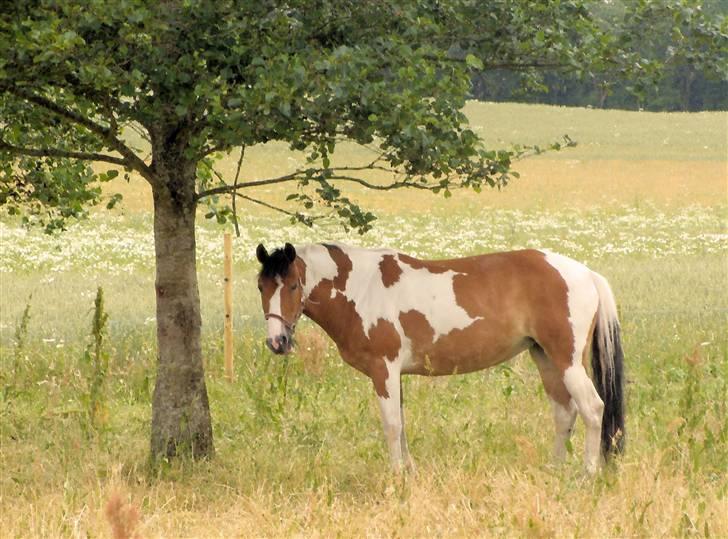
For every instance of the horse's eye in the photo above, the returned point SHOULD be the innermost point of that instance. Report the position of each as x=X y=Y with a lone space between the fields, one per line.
x=294 y=286
x=260 y=287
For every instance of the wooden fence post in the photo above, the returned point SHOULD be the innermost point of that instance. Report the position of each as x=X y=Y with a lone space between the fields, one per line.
x=228 y=329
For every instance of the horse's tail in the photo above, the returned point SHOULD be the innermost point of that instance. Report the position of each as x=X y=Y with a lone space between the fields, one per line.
x=608 y=368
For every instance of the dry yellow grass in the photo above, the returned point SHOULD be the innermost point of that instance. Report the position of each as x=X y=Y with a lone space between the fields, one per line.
x=644 y=499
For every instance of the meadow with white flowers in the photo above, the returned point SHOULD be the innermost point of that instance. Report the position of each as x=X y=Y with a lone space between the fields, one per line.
x=299 y=447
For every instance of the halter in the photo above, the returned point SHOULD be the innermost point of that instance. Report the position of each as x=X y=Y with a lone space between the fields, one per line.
x=290 y=327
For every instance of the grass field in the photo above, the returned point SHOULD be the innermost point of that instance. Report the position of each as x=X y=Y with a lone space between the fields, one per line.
x=642 y=199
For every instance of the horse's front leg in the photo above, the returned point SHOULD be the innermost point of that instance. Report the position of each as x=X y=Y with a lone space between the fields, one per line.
x=389 y=396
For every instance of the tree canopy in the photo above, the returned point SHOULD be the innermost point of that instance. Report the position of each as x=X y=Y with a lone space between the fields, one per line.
x=220 y=75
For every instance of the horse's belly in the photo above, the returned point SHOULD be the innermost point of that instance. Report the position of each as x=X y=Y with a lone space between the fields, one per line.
x=456 y=354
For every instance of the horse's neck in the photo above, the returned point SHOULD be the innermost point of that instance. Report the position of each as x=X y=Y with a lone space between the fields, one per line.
x=316 y=265
x=324 y=304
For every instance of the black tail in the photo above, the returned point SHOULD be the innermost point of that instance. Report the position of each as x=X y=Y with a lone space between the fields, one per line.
x=609 y=382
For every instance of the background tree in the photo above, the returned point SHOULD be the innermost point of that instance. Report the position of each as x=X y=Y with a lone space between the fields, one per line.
x=195 y=78
x=665 y=55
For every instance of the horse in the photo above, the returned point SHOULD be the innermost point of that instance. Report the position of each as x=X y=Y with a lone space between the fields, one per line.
x=392 y=314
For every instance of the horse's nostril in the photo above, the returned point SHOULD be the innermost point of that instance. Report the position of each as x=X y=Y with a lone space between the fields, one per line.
x=283 y=340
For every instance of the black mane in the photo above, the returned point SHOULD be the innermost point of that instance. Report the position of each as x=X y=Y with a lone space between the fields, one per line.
x=276 y=264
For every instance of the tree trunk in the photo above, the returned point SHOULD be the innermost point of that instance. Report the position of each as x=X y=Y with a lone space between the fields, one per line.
x=686 y=88
x=181 y=423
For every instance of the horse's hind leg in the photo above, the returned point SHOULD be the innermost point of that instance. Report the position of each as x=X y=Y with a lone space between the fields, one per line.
x=563 y=406
x=578 y=384
x=591 y=408
x=406 y=457
x=567 y=349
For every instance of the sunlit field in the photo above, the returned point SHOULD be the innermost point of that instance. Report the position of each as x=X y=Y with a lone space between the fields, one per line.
x=643 y=199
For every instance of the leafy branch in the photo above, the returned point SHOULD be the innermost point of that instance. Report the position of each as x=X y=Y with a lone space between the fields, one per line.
x=492 y=168
x=106 y=134
x=56 y=152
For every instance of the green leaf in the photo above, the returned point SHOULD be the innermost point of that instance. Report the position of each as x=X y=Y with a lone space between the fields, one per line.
x=474 y=62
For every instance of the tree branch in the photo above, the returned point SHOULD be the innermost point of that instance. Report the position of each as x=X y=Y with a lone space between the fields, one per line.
x=61 y=111
x=516 y=66
x=235 y=186
x=298 y=174
x=223 y=189
x=56 y=152
x=385 y=187
x=131 y=159
x=298 y=216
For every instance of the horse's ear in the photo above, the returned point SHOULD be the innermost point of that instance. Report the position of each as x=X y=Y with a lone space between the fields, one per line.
x=261 y=253
x=290 y=252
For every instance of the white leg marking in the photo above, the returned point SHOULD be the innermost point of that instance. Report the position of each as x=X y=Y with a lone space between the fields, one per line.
x=408 y=462
x=564 y=422
x=392 y=419
x=590 y=408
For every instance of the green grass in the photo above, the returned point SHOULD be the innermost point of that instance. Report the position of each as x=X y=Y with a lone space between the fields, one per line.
x=298 y=440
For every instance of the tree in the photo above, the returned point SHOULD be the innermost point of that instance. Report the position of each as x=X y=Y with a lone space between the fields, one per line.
x=196 y=78
x=662 y=55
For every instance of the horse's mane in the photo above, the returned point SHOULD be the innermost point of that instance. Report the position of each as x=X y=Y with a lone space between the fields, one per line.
x=276 y=264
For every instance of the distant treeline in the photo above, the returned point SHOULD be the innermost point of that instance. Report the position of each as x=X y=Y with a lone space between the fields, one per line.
x=688 y=82
x=681 y=90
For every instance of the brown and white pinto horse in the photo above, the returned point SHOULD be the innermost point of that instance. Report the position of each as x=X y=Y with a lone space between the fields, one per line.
x=391 y=314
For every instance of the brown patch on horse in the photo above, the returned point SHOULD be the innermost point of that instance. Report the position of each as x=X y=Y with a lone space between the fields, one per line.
x=343 y=263
x=482 y=344
x=526 y=279
x=367 y=353
x=390 y=270
x=512 y=295
x=384 y=340
x=414 y=263
x=551 y=376
x=378 y=373
x=416 y=328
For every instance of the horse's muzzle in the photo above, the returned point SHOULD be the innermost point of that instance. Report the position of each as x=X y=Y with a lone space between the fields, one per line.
x=281 y=344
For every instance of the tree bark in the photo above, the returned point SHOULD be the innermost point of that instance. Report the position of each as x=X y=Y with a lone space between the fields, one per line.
x=181 y=423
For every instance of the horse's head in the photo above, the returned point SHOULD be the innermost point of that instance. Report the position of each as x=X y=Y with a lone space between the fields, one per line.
x=281 y=290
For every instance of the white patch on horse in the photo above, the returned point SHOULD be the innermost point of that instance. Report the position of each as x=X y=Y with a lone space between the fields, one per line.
x=431 y=294
x=275 y=326
x=582 y=297
x=319 y=266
